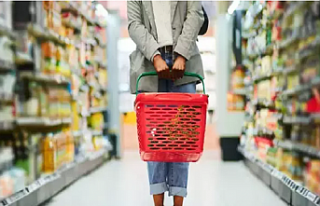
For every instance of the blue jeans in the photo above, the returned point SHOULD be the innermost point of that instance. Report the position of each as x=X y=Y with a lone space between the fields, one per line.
x=170 y=176
x=168 y=58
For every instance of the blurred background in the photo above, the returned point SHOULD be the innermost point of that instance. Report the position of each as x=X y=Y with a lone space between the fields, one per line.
x=68 y=128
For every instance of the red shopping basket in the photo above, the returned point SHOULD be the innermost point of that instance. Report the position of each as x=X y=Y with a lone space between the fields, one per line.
x=171 y=126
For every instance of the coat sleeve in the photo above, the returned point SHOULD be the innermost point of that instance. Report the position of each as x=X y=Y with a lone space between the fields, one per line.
x=191 y=28
x=138 y=32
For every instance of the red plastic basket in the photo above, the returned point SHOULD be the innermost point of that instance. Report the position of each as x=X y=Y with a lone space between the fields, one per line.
x=171 y=126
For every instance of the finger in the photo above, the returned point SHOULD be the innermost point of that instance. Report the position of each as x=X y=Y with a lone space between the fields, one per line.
x=181 y=73
x=161 y=72
x=165 y=74
x=177 y=74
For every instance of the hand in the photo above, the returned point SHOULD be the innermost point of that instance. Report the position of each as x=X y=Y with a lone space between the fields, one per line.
x=161 y=67
x=178 y=68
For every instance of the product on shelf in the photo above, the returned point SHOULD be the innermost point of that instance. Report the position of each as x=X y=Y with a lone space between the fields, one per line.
x=53 y=88
x=312 y=176
x=280 y=48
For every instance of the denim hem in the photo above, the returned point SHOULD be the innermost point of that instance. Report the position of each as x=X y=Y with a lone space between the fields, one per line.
x=178 y=191
x=159 y=188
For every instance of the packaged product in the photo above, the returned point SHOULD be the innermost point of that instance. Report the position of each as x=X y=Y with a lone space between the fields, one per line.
x=18 y=177
x=6 y=185
x=49 y=153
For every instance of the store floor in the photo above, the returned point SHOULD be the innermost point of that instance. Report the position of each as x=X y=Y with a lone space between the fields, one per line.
x=211 y=183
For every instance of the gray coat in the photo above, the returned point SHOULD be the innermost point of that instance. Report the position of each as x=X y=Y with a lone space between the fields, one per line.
x=187 y=19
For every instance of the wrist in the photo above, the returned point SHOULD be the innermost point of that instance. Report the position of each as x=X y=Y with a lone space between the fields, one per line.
x=156 y=58
x=180 y=56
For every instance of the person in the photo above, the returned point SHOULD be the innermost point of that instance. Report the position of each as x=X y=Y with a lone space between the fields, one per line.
x=165 y=33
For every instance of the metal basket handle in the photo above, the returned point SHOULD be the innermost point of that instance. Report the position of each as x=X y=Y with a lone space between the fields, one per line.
x=189 y=74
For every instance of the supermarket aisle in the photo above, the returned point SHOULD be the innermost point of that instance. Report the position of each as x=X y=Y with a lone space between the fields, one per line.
x=124 y=183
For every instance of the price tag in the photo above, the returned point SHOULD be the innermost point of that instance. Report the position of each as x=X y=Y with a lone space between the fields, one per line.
x=293 y=186
x=34 y=186
x=311 y=196
x=300 y=190
x=55 y=176
x=279 y=175
x=318 y=154
x=317 y=201
x=70 y=165
x=270 y=168
x=276 y=173
x=17 y=196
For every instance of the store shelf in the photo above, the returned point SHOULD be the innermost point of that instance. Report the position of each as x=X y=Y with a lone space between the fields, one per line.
x=299 y=147
x=289 y=190
x=42 y=33
x=57 y=79
x=105 y=126
x=301 y=88
x=41 y=121
x=96 y=132
x=77 y=133
x=309 y=49
x=296 y=120
x=97 y=87
x=6 y=65
x=289 y=41
x=263 y=103
x=35 y=44
x=71 y=24
x=311 y=118
x=48 y=186
x=85 y=113
x=242 y=91
x=291 y=10
x=23 y=58
x=6 y=125
x=90 y=41
x=280 y=17
x=262 y=131
x=262 y=77
x=72 y=7
x=5 y=97
x=7 y=32
x=290 y=70
x=98 y=109
x=84 y=88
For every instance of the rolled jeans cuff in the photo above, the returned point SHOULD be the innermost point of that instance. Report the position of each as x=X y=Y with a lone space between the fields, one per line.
x=159 y=188
x=178 y=191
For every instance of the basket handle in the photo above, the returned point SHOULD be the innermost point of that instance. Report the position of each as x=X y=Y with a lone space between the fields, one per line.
x=154 y=73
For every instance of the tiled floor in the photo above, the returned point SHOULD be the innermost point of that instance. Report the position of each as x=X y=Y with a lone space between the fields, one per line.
x=211 y=183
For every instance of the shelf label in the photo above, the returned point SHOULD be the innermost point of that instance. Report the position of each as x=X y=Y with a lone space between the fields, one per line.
x=317 y=201
x=34 y=186
x=17 y=196
x=311 y=196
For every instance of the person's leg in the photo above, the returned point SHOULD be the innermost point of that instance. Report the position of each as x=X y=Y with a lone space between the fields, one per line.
x=177 y=201
x=178 y=171
x=178 y=181
x=157 y=172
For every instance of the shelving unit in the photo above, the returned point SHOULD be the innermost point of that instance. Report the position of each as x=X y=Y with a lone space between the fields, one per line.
x=53 y=96
x=47 y=186
x=287 y=189
x=280 y=139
